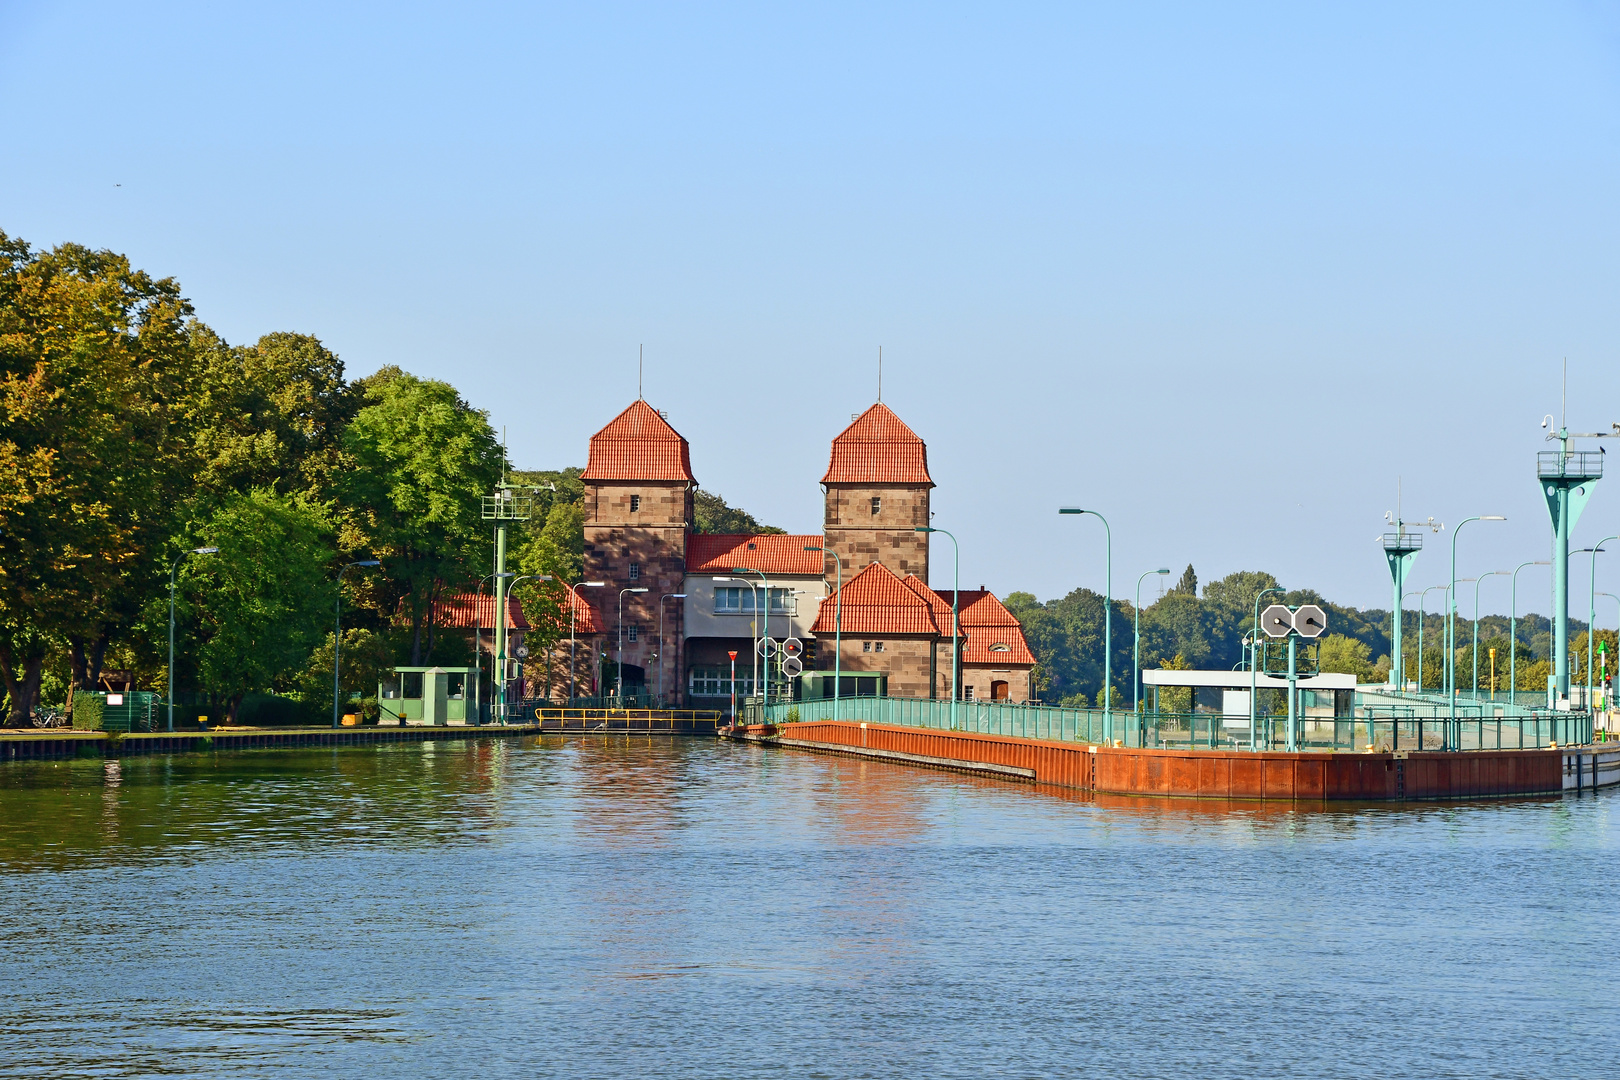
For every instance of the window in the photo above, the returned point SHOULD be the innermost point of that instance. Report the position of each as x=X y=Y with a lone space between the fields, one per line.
x=1000 y=646
x=715 y=681
x=866 y=646
x=877 y=505
x=633 y=633
x=635 y=571
x=739 y=600
x=967 y=693
x=635 y=504
x=877 y=646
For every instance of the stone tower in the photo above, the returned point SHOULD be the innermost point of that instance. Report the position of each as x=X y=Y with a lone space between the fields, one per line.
x=877 y=487
x=638 y=511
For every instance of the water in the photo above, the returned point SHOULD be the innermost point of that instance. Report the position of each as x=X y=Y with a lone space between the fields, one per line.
x=646 y=907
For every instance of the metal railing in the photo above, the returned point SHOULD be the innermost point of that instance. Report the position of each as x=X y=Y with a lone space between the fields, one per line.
x=1403 y=541
x=700 y=721
x=1569 y=465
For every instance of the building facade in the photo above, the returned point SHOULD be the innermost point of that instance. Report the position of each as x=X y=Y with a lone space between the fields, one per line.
x=692 y=600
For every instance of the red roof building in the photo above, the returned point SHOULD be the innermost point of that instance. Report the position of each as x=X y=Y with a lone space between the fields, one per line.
x=877 y=602
x=639 y=444
x=771 y=553
x=878 y=448
x=993 y=634
x=468 y=611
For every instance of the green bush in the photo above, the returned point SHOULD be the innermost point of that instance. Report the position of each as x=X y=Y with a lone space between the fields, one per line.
x=87 y=711
x=268 y=710
x=792 y=716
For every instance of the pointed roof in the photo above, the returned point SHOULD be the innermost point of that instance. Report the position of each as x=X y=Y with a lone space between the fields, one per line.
x=938 y=605
x=878 y=448
x=466 y=611
x=772 y=553
x=639 y=444
x=875 y=601
x=994 y=635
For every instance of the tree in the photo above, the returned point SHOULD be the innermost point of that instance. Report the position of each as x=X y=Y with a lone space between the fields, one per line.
x=96 y=370
x=1188 y=585
x=259 y=606
x=1346 y=655
x=714 y=516
x=422 y=461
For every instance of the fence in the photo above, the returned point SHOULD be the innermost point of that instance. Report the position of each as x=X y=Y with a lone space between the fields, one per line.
x=1417 y=726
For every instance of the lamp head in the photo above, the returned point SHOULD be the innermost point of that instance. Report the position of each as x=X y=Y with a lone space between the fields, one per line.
x=593 y=584
x=924 y=528
x=675 y=596
x=366 y=562
x=1492 y=517
x=638 y=588
x=205 y=551
x=1166 y=570
x=1070 y=510
x=808 y=548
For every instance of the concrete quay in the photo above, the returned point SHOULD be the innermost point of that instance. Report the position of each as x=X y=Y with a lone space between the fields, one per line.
x=1315 y=776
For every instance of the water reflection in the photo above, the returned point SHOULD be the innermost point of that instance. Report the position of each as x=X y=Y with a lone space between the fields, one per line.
x=640 y=906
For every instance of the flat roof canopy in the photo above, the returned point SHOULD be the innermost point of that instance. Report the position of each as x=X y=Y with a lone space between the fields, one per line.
x=1239 y=680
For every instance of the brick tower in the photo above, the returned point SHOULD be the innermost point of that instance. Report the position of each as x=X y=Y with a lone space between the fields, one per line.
x=638 y=510
x=877 y=487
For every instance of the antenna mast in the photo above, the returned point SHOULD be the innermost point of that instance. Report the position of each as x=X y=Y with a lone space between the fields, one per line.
x=641 y=352
x=880 y=374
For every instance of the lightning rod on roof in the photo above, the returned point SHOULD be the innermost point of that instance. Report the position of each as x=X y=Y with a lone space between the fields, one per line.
x=641 y=352
x=880 y=374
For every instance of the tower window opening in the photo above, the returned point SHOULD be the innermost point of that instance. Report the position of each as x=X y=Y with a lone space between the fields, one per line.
x=635 y=504
x=633 y=633
x=877 y=504
x=635 y=571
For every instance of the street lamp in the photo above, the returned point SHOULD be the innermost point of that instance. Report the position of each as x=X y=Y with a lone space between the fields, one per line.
x=1482 y=577
x=1451 y=623
x=764 y=623
x=1401 y=667
x=1513 y=627
x=172 y=569
x=620 y=672
x=1423 y=617
x=838 y=622
x=510 y=585
x=1108 y=620
x=1136 y=654
x=573 y=623
x=1254 y=667
x=753 y=637
x=661 y=599
x=478 y=636
x=1591 y=615
x=337 y=635
x=956 y=622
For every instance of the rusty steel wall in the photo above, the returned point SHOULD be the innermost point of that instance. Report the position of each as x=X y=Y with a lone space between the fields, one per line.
x=1217 y=774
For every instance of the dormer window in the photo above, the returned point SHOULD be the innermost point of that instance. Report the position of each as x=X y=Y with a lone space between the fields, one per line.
x=635 y=504
x=1001 y=646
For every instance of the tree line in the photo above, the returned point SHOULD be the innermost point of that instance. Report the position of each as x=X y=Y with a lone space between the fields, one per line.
x=132 y=434
x=1188 y=629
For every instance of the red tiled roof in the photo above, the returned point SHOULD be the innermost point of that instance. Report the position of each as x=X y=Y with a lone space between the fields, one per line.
x=716 y=553
x=878 y=449
x=937 y=604
x=876 y=601
x=586 y=620
x=638 y=444
x=986 y=622
x=456 y=611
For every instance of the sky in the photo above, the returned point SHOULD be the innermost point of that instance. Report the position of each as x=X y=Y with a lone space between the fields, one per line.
x=1231 y=274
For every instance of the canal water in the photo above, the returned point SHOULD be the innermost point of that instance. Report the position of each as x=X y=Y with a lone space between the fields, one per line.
x=634 y=907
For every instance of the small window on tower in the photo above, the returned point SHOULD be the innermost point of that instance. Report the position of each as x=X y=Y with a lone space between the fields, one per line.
x=866 y=646
x=635 y=571
x=877 y=504
x=635 y=504
x=633 y=632
x=877 y=646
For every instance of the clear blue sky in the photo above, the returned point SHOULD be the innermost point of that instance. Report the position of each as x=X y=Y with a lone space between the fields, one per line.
x=1221 y=271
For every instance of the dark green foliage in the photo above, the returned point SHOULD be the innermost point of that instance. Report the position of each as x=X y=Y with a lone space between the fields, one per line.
x=1188 y=585
x=714 y=516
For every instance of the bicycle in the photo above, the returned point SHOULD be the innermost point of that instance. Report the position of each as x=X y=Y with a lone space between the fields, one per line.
x=47 y=717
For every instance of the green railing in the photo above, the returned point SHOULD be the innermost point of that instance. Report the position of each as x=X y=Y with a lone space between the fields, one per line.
x=1415 y=726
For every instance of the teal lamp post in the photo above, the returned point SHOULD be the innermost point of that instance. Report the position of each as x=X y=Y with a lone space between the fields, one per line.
x=1423 y=618
x=1136 y=657
x=620 y=673
x=337 y=634
x=1451 y=624
x=1254 y=667
x=501 y=615
x=172 y=570
x=1108 y=620
x=1616 y=599
x=838 y=622
x=956 y=623
x=763 y=615
x=1400 y=687
x=1591 y=616
x=1482 y=577
x=1513 y=626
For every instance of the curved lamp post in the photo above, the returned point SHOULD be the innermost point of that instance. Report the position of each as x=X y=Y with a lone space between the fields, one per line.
x=1423 y=618
x=1482 y=577
x=1108 y=620
x=172 y=570
x=573 y=623
x=620 y=673
x=510 y=585
x=1401 y=689
x=1513 y=627
x=1254 y=666
x=661 y=599
x=1451 y=623
x=956 y=622
x=1136 y=655
x=838 y=622
x=1591 y=616
x=337 y=635
x=763 y=685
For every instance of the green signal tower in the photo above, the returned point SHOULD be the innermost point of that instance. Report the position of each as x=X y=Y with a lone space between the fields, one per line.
x=1566 y=477
x=509 y=503
x=1400 y=548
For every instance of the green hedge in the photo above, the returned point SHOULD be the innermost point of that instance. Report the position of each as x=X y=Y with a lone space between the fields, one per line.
x=87 y=711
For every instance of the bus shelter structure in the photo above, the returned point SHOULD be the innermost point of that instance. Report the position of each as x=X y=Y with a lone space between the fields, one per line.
x=1324 y=696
